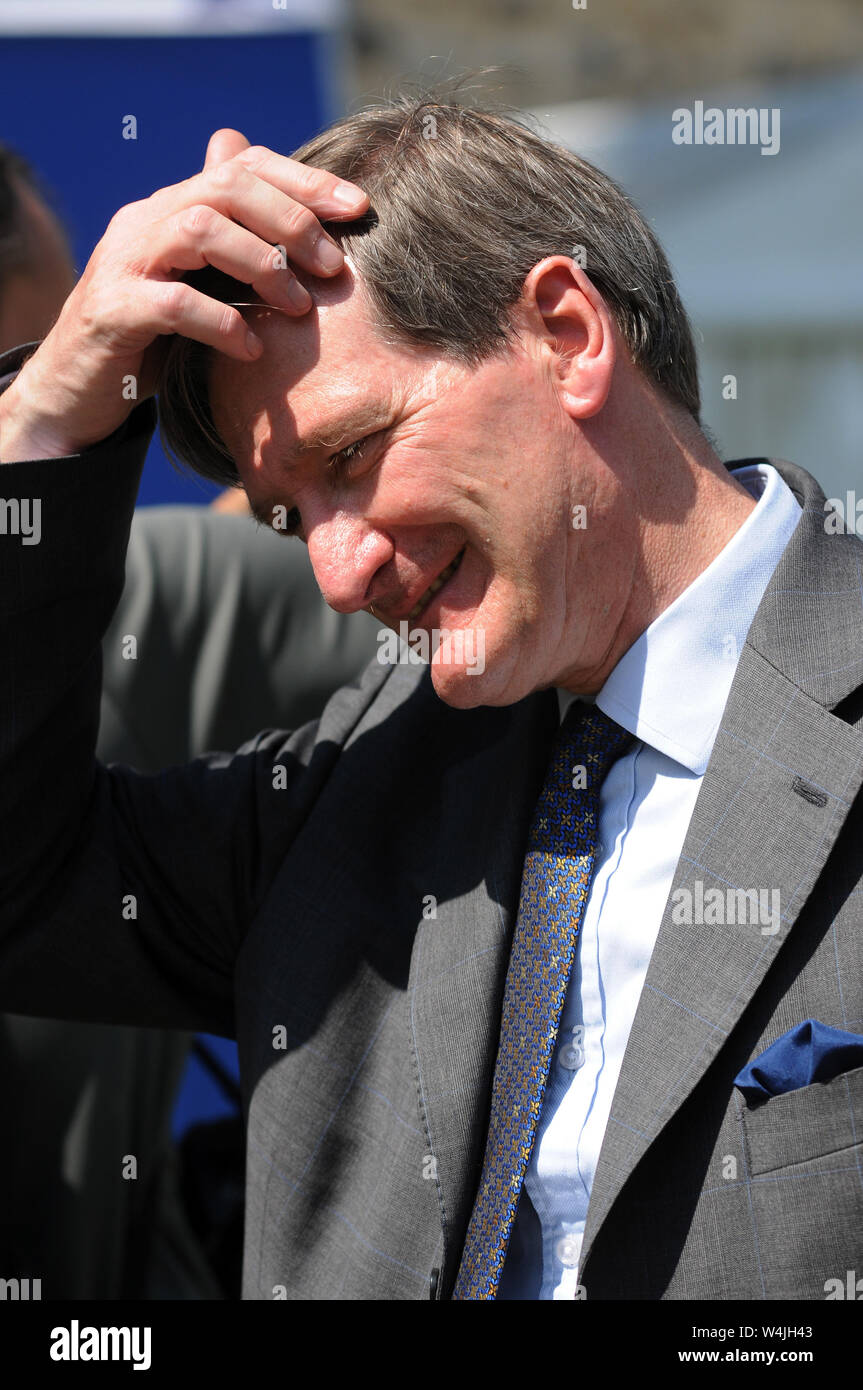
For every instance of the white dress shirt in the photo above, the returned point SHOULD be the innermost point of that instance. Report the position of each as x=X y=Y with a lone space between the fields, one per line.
x=669 y=690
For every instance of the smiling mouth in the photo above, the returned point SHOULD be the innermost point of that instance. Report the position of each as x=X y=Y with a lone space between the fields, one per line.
x=425 y=599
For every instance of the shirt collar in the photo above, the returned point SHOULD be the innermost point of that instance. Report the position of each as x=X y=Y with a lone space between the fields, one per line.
x=670 y=688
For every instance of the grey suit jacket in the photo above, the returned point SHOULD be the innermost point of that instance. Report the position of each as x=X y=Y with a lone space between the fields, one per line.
x=342 y=899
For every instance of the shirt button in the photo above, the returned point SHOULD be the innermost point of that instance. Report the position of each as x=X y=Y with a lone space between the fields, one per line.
x=571 y=1056
x=567 y=1251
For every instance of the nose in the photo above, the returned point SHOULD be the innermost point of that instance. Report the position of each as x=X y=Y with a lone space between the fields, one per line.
x=346 y=554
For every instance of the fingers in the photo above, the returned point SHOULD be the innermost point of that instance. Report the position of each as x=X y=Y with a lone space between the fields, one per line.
x=250 y=213
x=224 y=144
x=278 y=199
x=272 y=215
x=175 y=307
x=199 y=236
x=326 y=194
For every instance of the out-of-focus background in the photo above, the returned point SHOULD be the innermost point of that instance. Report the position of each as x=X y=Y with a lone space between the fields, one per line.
x=109 y=101
x=766 y=249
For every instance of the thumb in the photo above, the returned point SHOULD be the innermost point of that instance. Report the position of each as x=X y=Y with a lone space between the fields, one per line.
x=224 y=144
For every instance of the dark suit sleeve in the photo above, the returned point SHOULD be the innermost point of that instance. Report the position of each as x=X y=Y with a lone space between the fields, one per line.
x=123 y=897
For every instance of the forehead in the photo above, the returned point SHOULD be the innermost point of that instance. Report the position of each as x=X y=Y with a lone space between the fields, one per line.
x=315 y=372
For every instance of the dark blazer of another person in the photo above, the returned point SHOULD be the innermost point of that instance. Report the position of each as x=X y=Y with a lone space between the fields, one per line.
x=230 y=633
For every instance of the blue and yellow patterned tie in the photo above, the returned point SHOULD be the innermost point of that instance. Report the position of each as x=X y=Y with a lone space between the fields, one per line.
x=555 y=884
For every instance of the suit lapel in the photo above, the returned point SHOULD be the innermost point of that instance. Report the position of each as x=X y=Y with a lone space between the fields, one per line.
x=780 y=781
x=495 y=760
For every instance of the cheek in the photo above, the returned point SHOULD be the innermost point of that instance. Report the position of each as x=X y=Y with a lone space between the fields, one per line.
x=415 y=483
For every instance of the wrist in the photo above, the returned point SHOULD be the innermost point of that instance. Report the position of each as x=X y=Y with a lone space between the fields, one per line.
x=26 y=432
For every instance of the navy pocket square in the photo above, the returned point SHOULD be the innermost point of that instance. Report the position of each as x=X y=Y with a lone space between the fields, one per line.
x=808 y=1052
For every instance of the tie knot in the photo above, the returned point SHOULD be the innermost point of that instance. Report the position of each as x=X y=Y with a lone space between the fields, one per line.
x=587 y=731
x=587 y=743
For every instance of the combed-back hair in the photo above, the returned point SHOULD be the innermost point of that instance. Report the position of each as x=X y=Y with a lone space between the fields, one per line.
x=464 y=202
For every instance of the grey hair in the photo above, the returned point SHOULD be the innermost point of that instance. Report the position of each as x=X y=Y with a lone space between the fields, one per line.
x=464 y=202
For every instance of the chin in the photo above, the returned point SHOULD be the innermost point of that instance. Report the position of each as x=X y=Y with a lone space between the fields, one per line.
x=459 y=689
x=480 y=679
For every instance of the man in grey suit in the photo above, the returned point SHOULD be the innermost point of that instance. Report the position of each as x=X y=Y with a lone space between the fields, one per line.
x=499 y=935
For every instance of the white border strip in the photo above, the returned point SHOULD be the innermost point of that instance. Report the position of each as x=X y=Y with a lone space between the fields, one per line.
x=117 y=18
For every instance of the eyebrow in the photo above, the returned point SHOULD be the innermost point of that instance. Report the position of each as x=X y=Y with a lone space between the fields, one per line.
x=361 y=423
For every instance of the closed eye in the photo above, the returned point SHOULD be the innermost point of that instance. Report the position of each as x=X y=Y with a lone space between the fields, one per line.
x=346 y=463
x=348 y=460
x=350 y=452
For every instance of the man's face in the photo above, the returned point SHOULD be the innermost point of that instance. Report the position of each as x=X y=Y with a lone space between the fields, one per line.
x=462 y=481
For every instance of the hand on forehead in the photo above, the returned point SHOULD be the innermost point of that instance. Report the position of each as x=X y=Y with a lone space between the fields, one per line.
x=308 y=365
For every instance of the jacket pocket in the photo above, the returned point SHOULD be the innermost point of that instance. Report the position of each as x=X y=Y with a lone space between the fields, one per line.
x=805 y=1125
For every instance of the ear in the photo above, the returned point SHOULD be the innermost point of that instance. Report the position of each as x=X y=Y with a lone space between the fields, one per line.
x=565 y=312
